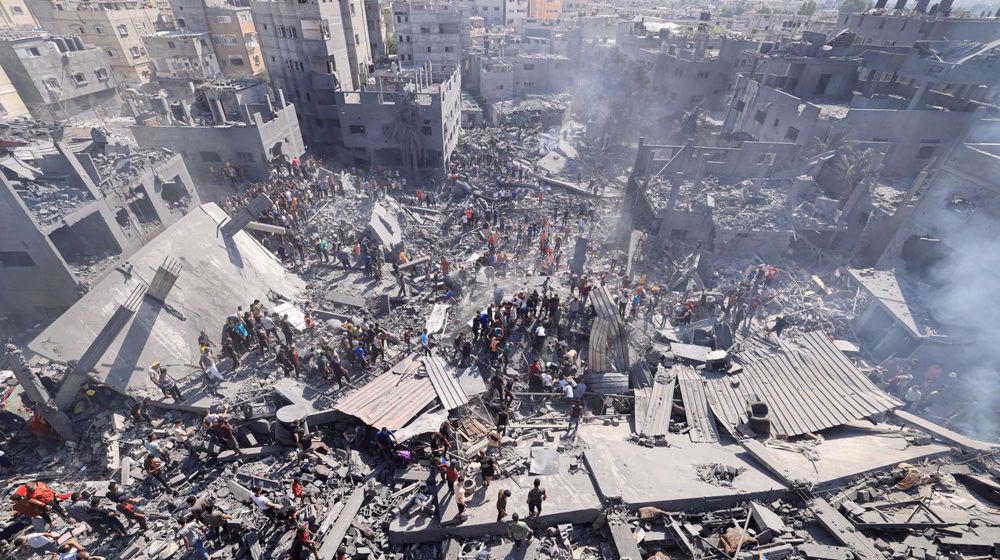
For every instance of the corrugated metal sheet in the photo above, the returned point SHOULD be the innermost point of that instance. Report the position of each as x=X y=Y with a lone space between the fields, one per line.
x=446 y=385
x=696 y=412
x=655 y=420
x=608 y=383
x=597 y=345
x=391 y=399
x=616 y=338
x=809 y=389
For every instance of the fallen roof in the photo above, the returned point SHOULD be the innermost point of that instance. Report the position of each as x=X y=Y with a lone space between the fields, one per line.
x=218 y=275
x=806 y=390
x=391 y=399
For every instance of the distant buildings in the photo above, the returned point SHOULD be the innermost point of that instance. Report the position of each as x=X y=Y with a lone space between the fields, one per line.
x=428 y=32
x=14 y=14
x=114 y=27
x=11 y=104
x=312 y=50
x=182 y=55
x=234 y=37
x=57 y=77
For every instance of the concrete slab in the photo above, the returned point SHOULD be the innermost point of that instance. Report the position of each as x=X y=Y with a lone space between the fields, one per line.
x=847 y=452
x=219 y=273
x=667 y=477
x=572 y=499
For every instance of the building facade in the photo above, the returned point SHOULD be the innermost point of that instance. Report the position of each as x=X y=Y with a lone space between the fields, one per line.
x=182 y=55
x=428 y=32
x=11 y=104
x=234 y=37
x=14 y=14
x=116 y=28
x=57 y=78
x=234 y=123
x=311 y=49
x=404 y=124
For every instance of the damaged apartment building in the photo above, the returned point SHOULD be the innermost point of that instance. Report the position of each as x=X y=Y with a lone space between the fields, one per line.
x=231 y=123
x=71 y=207
x=406 y=120
x=58 y=77
x=910 y=103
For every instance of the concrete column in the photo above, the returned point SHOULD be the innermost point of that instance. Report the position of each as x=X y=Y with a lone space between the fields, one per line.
x=28 y=381
x=164 y=279
x=918 y=96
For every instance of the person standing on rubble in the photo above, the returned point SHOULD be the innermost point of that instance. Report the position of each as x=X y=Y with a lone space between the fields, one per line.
x=168 y=386
x=155 y=468
x=193 y=539
x=518 y=531
x=536 y=496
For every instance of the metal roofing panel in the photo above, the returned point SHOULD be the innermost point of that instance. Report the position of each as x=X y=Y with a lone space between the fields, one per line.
x=656 y=418
x=449 y=390
x=810 y=387
x=609 y=383
x=696 y=412
x=391 y=399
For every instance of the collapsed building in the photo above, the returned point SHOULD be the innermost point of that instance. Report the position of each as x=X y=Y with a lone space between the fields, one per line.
x=75 y=207
x=231 y=123
x=907 y=102
x=57 y=77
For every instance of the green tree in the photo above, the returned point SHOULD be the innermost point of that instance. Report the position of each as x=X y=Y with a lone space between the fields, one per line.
x=853 y=6
x=807 y=8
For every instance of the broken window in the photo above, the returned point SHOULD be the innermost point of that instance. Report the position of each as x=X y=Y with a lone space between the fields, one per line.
x=210 y=157
x=426 y=130
x=33 y=52
x=760 y=116
x=79 y=79
x=11 y=259
x=100 y=30
x=51 y=84
x=792 y=134
x=135 y=52
x=246 y=157
x=925 y=152
x=122 y=30
x=236 y=61
x=223 y=19
x=173 y=191
x=171 y=45
x=85 y=241
x=703 y=75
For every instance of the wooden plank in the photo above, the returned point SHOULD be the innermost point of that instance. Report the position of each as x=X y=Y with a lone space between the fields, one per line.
x=621 y=534
x=842 y=530
x=335 y=537
x=449 y=390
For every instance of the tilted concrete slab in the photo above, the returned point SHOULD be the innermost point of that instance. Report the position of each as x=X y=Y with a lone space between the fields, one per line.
x=219 y=274
x=667 y=477
x=848 y=452
x=572 y=499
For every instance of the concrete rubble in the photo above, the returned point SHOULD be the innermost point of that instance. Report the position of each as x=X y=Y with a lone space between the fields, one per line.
x=567 y=342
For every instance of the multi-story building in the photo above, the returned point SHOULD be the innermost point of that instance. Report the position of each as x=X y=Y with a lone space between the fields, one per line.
x=912 y=104
x=428 y=32
x=493 y=12
x=71 y=211
x=190 y=15
x=11 y=105
x=699 y=71
x=235 y=39
x=515 y=11
x=410 y=121
x=115 y=27
x=311 y=49
x=14 y=14
x=235 y=123
x=375 y=20
x=182 y=55
x=57 y=77
x=545 y=9
x=903 y=28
